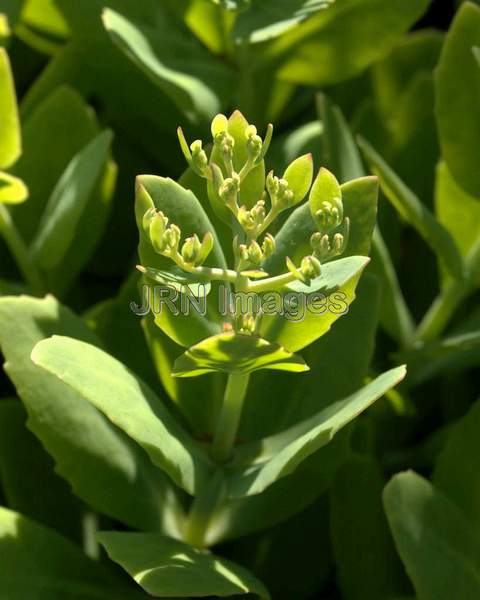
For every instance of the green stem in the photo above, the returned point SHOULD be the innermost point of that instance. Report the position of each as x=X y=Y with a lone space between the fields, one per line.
x=229 y=420
x=20 y=251
x=202 y=511
x=443 y=308
x=272 y=283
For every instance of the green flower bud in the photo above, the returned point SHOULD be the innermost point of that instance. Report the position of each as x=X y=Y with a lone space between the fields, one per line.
x=310 y=267
x=320 y=245
x=157 y=231
x=251 y=219
x=229 y=190
x=219 y=125
x=172 y=238
x=281 y=195
x=206 y=247
x=147 y=219
x=191 y=249
x=268 y=246
x=255 y=254
x=330 y=215
x=225 y=144
x=245 y=324
x=199 y=157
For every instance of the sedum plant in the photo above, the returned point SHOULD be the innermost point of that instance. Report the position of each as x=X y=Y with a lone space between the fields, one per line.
x=307 y=263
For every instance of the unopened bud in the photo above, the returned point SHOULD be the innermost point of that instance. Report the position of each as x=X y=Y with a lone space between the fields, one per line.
x=191 y=249
x=147 y=219
x=229 y=189
x=172 y=237
x=199 y=157
x=255 y=255
x=268 y=246
x=206 y=247
x=219 y=125
x=310 y=267
x=281 y=195
x=157 y=232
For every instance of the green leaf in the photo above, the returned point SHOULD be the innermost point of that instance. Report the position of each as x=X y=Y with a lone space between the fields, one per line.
x=178 y=281
x=104 y=467
x=457 y=109
x=442 y=356
x=339 y=149
x=184 y=391
x=268 y=19
x=456 y=210
x=360 y=535
x=12 y=189
x=434 y=540
x=299 y=175
x=415 y=213
x=64 y=124
x=457 y=472
x=307 y=318
x=165 y=567
x=42 y=26
x=360 y=206
x=183 y=208
x=280 y=454
x=325 y=188
x=343 y=158
x=39 y=563
x=128 y=403
x=186 y=72
x=59 y=223
x=236 y=353
x=10 y=142
x=336 y=44
x=29 y=483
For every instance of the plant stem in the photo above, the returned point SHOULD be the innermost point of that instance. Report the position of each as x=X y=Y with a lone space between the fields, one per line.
x=229 y=419
x=202 y=511
x=447 y=302
x=272 y=283
x=20 y=251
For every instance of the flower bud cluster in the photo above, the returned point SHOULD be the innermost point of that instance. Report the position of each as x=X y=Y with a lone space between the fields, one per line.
x=330 y=215
x=281 y=196
x=253 y=255
x=310 y=268
x=327 y=246
x=166 y=238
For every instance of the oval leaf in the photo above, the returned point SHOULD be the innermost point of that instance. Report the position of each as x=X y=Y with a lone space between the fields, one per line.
x=165 y=567
x=236 y=353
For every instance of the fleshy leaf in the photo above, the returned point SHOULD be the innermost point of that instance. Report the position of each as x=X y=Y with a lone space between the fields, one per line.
x=457 y=472
x=181 y=207
x=104 y=466
x=299 y=175
x=68 y=201
x=192 y=77
x=236 y=353
x=307 y=318
x=415 y=212
x=179 y=281
x=434 y=540
x=457 y=79
x=165 y=567
x=279 y=455
x=10 y=140
x=39 y=563
x=127 y=402
x=12 y=189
